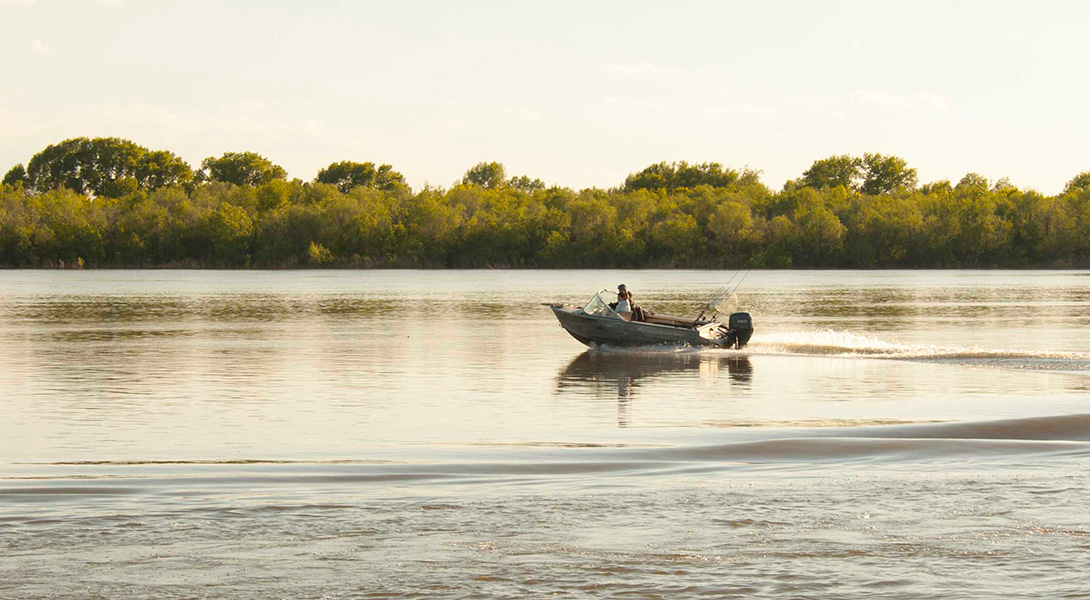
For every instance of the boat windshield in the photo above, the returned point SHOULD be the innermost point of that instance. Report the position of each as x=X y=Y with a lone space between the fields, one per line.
x=599 y=308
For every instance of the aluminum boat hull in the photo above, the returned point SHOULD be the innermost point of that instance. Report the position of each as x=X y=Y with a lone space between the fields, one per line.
x=608 y=330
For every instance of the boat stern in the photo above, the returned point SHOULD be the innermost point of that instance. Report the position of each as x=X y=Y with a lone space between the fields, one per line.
x=735 y=333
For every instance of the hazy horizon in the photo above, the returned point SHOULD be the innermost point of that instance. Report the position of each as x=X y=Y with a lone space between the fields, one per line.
x=576 y=95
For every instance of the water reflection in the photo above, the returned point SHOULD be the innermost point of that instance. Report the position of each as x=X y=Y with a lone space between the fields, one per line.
x=627 y=371
x=605 y=372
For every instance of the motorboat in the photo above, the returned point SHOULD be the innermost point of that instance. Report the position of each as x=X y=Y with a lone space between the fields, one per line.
x=598 y=323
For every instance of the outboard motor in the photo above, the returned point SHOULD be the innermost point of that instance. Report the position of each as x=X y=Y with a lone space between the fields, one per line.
x=741 y=325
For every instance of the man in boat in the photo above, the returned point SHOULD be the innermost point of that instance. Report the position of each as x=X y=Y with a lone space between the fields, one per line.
x=625 y=304
x=624 y=300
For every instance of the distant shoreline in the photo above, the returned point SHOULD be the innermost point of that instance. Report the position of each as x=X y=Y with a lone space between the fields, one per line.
x=107 y=203
x=526 y=269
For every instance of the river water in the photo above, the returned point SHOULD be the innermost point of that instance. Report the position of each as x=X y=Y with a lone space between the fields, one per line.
x=373 y=434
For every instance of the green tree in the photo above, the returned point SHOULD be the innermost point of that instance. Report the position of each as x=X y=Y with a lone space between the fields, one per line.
x=733 y=230
x=972 y=183
x=1079 y=182
x=229 y=230
x=839 y=170
x=937 y=187
x=782 y=237
x=81 y=165
x=1046 y=229
x=273 y=195
x=525 y=184
x=318 y=254
x=15 y=176
x=886 y=231
x=1078 y=207
x=1003 y=184
x=158 y=169
x=676 y=239
x=347 y=175
x=241 y=168
x=282 y=237
x=671 y=176
x=672 y=216
x=486 y=174
x=984 y=234
x=99 y=167
x=151 y=230
x=820 y=235
x=885 y=174
x=435 y=224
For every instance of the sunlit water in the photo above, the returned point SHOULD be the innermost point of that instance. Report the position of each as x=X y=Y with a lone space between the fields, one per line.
x=358 y=434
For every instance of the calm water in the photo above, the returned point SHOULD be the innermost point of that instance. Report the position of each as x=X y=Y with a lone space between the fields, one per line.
x=191 y=434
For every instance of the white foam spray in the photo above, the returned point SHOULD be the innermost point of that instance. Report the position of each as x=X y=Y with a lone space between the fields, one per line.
x=847 y=344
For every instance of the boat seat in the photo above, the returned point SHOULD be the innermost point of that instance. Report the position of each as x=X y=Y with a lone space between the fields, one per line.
x=671 y=321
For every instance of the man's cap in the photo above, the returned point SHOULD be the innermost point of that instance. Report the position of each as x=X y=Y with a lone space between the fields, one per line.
x=621 y=287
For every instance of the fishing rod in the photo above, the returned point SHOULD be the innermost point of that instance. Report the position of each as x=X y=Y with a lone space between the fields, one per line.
x=724 y=292
x=718 y=295
x=727 y=284
x=737 y=285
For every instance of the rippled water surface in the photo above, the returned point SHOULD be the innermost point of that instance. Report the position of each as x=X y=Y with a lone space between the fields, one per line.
x=359 y=434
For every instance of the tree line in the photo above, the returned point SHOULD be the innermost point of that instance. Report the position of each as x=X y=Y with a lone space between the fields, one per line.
x=108 y=202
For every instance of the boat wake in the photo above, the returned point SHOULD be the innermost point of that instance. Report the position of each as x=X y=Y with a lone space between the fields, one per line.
x=1040 y=442
x=957 y=496
x=844 y=344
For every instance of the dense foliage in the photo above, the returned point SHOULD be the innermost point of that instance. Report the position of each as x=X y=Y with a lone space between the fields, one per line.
x=102 y=167
x=240 y=168
x=110 y=203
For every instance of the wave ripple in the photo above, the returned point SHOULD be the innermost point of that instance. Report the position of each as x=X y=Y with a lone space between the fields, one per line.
x=842 y=343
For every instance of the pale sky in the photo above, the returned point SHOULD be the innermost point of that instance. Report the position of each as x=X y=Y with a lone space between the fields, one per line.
x=577 y=93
